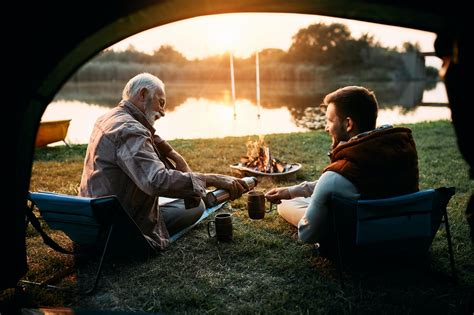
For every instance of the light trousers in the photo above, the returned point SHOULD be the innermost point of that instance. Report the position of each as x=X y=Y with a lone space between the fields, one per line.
x=293 y=210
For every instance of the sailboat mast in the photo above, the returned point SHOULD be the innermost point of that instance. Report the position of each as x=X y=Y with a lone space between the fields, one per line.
x=257 y=78
x=232 y=80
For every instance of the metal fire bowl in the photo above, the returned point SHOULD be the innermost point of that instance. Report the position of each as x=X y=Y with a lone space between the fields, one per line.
x=289 y=174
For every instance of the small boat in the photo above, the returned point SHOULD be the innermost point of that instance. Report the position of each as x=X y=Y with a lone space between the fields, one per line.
x=52 y=131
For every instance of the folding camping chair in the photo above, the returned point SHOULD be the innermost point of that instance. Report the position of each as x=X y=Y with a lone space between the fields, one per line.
x=95 y=221
x=90 y=222
x=401 y=227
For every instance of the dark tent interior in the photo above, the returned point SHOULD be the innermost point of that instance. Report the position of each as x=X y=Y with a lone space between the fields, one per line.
x=53 y=39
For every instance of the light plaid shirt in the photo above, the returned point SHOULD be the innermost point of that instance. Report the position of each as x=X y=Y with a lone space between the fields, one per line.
x=122 y=159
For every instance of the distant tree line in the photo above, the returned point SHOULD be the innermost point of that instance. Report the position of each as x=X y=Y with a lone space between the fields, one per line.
x=318 y=52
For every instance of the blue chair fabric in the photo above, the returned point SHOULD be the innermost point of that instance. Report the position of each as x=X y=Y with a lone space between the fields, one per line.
x=98 y=223
x=395 y=228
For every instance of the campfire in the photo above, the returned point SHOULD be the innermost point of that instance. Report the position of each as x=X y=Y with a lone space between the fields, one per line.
x=259 y=161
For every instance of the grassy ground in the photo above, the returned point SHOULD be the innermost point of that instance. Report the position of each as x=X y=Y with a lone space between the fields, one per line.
x=265 y=269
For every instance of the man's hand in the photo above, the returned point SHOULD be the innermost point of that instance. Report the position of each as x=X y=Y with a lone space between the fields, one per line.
x=275 y=195
x=235 y=186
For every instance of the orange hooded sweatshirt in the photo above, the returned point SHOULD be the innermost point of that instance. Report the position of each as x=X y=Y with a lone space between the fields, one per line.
x=380 y=163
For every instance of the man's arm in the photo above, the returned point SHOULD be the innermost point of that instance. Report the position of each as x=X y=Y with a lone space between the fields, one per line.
x=137 y=157
x=314 y=225
x=168 y=151
x=305 y=189
x=234 y=185
x=179 y=161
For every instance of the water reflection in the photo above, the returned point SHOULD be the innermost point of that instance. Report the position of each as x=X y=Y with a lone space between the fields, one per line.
x=297 y=95
x=398 y=115
x=202 y=118
x=205 y=110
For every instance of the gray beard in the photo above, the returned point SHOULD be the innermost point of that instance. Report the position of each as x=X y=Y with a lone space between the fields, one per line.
x=150 y=114
x=150 y=117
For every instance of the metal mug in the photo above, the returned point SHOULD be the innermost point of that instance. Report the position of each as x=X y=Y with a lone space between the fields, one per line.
x=223 y=227
x=256 y=205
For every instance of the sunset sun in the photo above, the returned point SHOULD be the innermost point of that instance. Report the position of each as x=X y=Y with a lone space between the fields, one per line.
x=223 y=33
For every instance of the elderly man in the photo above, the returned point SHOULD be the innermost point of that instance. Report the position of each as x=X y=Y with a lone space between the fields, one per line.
x=125 y=158
x=365 y=163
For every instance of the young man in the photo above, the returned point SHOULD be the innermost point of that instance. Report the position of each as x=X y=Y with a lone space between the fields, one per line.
x=125 y=158
x=365 y=163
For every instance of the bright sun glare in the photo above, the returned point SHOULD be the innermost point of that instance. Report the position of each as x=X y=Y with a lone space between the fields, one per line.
x=223 y=33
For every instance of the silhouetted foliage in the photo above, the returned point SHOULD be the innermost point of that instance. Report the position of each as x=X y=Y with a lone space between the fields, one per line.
x=317 y=51
x=318 y=42
x=410 y=47
x=167 y=54
x=432 y=73
x=271 y=55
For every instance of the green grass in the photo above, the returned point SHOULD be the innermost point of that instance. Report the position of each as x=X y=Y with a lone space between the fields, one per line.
x=265 y=269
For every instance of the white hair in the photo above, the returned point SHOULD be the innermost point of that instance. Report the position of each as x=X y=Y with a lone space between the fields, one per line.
x=140 y=81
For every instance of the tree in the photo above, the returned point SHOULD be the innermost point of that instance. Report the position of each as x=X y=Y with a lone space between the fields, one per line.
x=317 y=42
x=432 y=73
x=167 y=54
x=410 y=47
x=352 y=53
x=271 y=55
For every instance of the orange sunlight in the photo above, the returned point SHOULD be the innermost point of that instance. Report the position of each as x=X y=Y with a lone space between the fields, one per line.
x=223 y=33
x=246 y=33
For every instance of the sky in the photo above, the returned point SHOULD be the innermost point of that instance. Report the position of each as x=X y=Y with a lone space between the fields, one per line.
x=246 y=33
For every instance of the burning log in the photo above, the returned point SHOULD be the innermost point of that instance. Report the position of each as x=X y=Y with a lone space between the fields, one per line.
x=279 y=166
x=267 y=166
x=260 y=159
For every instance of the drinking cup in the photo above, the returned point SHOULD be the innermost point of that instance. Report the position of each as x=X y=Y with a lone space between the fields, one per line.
x=256 y=205
x=223 y=227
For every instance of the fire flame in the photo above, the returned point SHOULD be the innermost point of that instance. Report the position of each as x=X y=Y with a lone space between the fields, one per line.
x=260 y=158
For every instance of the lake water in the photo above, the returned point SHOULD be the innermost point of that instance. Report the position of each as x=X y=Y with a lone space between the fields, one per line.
x=206 y=110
